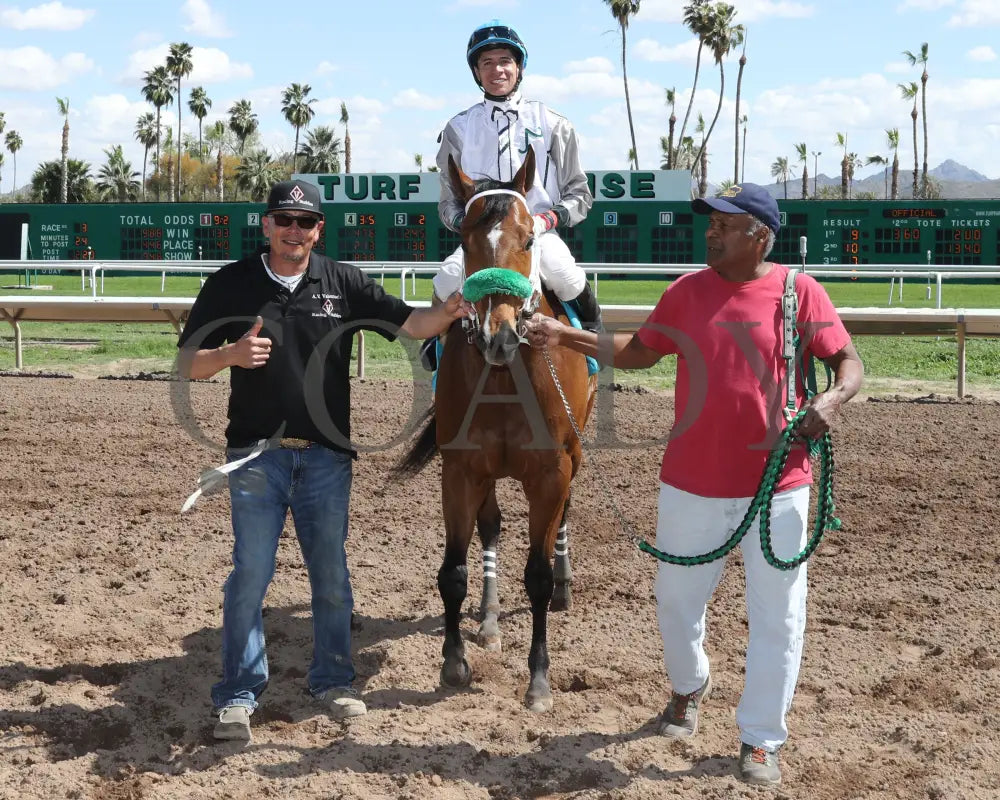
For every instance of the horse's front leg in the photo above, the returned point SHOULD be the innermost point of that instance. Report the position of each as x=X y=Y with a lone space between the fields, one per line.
x=488 y=525
x=545 y=505
x=460 y=499
x=562 y=598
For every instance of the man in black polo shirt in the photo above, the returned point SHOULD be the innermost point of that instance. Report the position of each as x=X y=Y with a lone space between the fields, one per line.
x=283 y=322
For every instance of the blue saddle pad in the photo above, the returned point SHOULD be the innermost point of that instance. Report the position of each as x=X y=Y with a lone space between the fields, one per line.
x=574 y=319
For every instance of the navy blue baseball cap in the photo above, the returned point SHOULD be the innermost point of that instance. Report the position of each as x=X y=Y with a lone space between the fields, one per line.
x=743 y=198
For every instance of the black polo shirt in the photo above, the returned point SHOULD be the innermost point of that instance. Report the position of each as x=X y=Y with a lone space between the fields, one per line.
x=304 y=389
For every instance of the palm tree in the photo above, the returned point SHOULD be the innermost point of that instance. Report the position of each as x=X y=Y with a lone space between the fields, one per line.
x=1 y=169
x=321 y=150
x=743 y=159
x=64 y=158
x=842 y=142
x=908 y=91
x=297 y=110
x=736 y=118
x=803 y=154
x=623 y=11
x=630 y=158
x=697 y=17
x=257 y=173
x=157 y=90
x=51 y=178
x=198 y=104
x=14 y=143
x=854 y=163
x=892 y=138
x=883 y=162
x=921 y=58
x=116 y=179
x=701 y=158
x=721 y=38
x=781 y=170
x=666 y=152
x=669 y=146
x=418 y=161
x=179 y=65
x=146 y=134
x=217 y=137
x=347 y=137
x=242 y=122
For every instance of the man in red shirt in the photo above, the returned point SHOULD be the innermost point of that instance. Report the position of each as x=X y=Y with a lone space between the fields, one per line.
x=725 y=324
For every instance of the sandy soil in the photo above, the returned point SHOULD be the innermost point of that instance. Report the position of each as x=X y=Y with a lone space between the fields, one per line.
x=110 y=613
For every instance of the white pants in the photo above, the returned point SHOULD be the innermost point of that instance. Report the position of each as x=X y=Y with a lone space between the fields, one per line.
x=687 y=525
x=557 y=266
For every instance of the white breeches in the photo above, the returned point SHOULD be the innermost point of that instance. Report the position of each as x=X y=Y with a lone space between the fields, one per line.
x=687 y=525
x=558 y=268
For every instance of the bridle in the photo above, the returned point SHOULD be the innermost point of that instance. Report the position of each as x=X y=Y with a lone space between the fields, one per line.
x=471 y=324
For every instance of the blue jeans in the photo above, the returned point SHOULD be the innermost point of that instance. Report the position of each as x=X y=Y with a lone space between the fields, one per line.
x=315 y=483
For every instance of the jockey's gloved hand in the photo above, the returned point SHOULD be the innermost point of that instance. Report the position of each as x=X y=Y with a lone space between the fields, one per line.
x=544 y=222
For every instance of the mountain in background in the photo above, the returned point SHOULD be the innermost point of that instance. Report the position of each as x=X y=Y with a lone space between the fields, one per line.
x=957 y=182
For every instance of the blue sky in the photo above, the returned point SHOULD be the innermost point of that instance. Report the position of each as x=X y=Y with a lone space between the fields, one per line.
x=814 y=68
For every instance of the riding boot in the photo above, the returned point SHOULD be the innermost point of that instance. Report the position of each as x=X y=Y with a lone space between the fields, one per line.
x=428 y=354
x=588 y=309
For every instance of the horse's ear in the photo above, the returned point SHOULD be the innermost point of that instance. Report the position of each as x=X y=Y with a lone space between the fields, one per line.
x=461 y=184
x=526 y=175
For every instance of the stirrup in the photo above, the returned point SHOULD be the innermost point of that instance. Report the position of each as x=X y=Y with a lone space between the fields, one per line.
x=428 y=354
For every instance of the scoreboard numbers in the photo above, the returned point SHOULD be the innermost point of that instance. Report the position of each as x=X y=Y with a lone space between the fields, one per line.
x=636 y=218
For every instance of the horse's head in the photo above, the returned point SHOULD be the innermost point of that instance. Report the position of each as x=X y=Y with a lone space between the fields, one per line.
x=497 y=240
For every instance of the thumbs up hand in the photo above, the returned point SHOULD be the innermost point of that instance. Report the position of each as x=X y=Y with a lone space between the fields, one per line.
x=252 y=350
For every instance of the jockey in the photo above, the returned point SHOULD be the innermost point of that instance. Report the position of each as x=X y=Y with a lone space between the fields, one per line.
x=490 y=140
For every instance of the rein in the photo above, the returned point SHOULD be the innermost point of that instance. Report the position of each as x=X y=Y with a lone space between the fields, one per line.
x=821 y=448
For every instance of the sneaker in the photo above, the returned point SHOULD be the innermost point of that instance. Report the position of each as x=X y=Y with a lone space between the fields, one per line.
x=344 y=703
x=234 y=723
x=759 y=766
x=680 y=718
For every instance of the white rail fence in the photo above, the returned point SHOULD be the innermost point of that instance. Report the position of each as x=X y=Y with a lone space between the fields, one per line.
x=960 y=323
x=408 y=271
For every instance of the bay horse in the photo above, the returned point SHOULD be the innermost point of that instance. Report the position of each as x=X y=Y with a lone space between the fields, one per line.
x=498 y=413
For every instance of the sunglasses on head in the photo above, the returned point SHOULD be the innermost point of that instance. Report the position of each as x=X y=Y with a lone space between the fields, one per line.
x=304 y=223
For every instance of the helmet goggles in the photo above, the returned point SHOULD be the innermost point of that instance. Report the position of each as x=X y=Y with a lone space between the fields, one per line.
x=495 y=34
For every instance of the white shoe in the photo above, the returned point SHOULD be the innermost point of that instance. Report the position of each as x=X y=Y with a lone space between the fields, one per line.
x=233 y=724
x=343 y=703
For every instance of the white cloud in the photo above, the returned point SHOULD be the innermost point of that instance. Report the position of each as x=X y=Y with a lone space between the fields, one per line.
x=32 y=69
x=211 y=65
x=747 y=11
x=976 y=13
x=411 y=98
x=326 y=68
x=48 y=17
x=984 y=53
x=203 y=20
x=592 y=64
x=650 y=50
x=106 y=118
x=923 y=5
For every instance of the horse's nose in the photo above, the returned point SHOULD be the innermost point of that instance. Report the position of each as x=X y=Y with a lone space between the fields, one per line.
x=505 y=344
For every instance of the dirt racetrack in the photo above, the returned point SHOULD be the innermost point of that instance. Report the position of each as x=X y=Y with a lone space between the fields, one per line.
x=110 y=606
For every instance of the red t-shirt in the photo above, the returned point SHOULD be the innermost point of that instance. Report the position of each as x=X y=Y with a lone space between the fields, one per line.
x=731 y=376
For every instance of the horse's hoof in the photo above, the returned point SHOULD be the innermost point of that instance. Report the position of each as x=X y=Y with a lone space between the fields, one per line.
x=561 y=601
x=456 y=674
x=488 y=636
x=539 y=704
x=489 y=641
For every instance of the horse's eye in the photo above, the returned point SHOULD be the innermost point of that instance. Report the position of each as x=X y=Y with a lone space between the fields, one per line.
x=530 y=243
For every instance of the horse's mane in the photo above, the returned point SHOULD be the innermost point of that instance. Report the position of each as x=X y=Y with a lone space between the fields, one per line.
x=495 y=206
